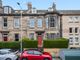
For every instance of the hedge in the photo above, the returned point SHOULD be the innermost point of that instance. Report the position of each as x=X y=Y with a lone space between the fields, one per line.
x=30 y=44
x=13 y=45
x=56 y=43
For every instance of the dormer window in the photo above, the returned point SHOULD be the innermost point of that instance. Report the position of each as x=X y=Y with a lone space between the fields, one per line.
x=7 y=10
x=50 y=9
x=34 y=10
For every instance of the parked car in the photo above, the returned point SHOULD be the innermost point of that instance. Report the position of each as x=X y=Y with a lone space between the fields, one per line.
x=35 y=55
x=7 y=54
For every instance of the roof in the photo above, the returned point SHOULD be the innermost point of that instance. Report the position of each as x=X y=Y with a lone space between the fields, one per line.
x=69 y=11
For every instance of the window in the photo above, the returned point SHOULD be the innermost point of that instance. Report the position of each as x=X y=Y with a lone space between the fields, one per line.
x=70 y=30
x=70 y=18
x=10 y=10
x=76 y=30
x=30 y=52
x=76 y=39
x=39 y=23
x=73 y=19
x=71 y=39
x=50 y=9
x=52 y=21
x=47 y=23
x=37 y=53
x=16 y=37
x=34 y=10
x=5 y=22
x=16 y=23
x=32 y=23
x=6 y=10
x=76 y=18
x=50 y=35
x=31 y=36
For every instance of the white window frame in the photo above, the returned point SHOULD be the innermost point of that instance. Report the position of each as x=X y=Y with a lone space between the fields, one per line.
x=76 y=40
x=6 y=10
x=16 y=21
x=34 y=10
x=10 y=10
x=47 y=23
x=76 y=19
x=31 y=23
x=5 y=22
x=70 y=18
x=39 y=23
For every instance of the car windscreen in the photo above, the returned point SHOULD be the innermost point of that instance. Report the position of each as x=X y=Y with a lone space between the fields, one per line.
x=30 y=52
x=37 y=53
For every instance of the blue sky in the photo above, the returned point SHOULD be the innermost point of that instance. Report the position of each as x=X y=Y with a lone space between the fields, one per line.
x=44 y=4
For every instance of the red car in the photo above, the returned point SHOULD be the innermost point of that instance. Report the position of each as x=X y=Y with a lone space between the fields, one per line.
x=35 y=55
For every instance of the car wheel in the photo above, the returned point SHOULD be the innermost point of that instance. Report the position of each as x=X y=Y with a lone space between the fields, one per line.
x=8 y=59
x=24 y=59
x=46 y=58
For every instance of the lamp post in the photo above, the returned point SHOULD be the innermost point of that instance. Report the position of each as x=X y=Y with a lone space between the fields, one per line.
x=21 y=26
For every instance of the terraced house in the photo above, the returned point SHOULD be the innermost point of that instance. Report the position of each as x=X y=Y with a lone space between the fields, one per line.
x=52 y=23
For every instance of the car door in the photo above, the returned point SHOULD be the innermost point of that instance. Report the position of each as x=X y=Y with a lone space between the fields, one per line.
x=37 y=55
x=30 y=55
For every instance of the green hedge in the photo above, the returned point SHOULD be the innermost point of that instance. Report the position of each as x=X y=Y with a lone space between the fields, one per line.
x=13 y=45
x=56 y=43
x=30 y=44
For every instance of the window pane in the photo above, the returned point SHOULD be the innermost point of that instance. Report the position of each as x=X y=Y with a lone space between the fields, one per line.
x=6 y=10
x=50 y=35
x=47 y=23
x=76 y=30
x=30 y=52
x=5 y=22
x=52 y=21
x=39 y=23
x=76 y=39
x=9 y=10
x=71 y=39
x=70 y=30
x=16 y=37
x=32 y=23
x=37 y=53
x=31 y=36
x=16 y=23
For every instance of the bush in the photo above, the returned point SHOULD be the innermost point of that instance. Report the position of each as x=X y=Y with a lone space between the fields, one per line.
x=12 y=45
x=56 y=43
x=29 y=43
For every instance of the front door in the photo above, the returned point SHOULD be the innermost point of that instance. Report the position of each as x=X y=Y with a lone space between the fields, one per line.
x=5 y=37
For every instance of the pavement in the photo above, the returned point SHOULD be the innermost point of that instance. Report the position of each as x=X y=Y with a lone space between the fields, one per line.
x=53 y=51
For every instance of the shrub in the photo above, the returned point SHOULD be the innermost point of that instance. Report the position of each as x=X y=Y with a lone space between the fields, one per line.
x=30 y=44
x=12 y=45
x=56 y=43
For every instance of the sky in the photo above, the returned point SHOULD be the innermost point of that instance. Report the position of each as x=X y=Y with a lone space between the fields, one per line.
x=44 y=4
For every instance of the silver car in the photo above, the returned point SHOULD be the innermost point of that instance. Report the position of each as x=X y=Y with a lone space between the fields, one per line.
x=6 y=54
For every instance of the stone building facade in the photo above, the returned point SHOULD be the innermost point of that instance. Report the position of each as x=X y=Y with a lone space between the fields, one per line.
x=54 y=23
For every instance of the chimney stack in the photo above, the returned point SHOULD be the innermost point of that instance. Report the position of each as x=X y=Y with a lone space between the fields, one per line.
x=29 y=5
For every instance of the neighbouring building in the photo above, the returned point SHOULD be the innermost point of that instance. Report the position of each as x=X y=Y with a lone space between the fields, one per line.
x=54 y=23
